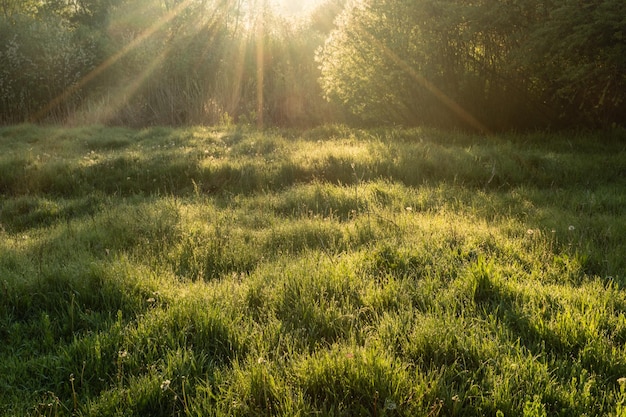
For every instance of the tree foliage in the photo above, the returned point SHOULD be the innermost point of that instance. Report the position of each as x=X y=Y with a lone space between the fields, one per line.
x=142 y=62
x=577 y=54
x=479 y=64
x=485 y=64
x=39 y=60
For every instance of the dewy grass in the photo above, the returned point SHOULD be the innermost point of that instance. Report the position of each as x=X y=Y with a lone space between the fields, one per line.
x=340 y=272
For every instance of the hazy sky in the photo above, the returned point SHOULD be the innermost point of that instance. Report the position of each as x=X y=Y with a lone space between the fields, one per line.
x=295 y=7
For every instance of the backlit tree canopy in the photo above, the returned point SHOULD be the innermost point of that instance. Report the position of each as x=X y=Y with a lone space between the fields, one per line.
x=171 y=62
x=486 y=64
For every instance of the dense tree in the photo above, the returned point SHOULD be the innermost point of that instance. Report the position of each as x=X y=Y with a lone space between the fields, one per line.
x=385 y=67
x=9 y=8
x=577 y=55
x=483 y=64
x=479 y=64
x=39 y=60
x=132 y=62
x=160 y=62
x=166 y=57
x=91 y=13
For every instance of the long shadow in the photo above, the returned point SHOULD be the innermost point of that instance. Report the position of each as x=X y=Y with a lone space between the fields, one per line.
x=495 y=300
x=29 y=212
x=481 y=164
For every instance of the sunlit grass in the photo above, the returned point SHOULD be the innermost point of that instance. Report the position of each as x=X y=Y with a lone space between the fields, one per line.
x=225 y=271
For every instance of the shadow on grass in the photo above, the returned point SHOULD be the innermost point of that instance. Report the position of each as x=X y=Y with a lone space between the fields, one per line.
x=165 y=161
x=559 y=332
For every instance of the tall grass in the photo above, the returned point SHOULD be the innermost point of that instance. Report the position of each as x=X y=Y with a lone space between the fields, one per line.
x=214 y=271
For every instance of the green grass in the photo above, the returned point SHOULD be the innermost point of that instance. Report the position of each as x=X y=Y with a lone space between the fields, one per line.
x=339 y=272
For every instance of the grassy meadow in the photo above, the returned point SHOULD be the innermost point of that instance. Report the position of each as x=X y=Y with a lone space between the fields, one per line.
x=223 y=271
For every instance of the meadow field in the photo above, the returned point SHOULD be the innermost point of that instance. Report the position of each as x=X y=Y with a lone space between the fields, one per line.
x=226 y=271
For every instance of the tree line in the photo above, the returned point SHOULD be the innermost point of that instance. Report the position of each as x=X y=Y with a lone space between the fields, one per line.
x=166 y=62
x=484 y=65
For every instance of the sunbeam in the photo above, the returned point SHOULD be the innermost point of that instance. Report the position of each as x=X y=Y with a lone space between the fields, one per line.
x=422 y=81
x=260 y=68
x=58 y=100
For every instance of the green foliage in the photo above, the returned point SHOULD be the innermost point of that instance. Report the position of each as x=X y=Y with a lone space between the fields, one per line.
x=148 y=62
x=40 y=60
x=582 y=51
x=481 y=65
x=221 y=271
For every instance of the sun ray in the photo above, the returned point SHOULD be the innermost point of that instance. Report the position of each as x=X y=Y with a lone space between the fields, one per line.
x=422 y=81
x=58 y=100
x=260 y=65
x=125 y=94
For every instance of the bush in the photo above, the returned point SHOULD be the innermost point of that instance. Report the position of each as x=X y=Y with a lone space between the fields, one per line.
x=40 y=60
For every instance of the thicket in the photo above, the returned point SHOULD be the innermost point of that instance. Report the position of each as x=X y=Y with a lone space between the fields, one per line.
x=152 y=62
x=486 y=65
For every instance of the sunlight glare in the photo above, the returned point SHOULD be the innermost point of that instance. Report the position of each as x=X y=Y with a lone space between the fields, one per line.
x=295 y=7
